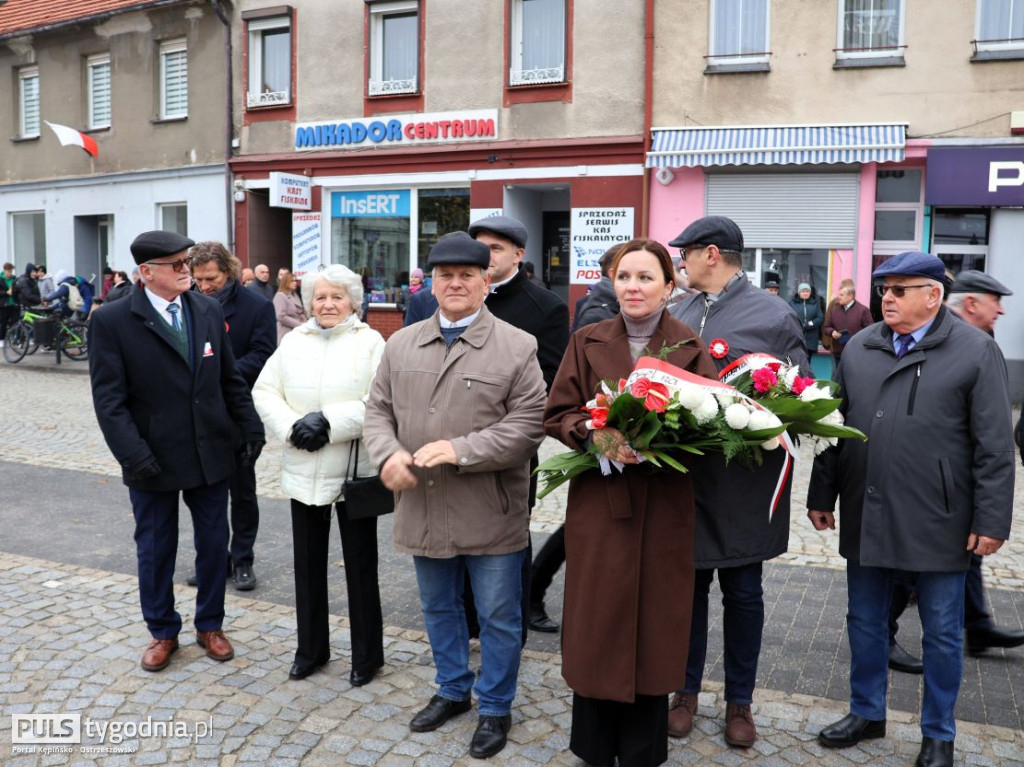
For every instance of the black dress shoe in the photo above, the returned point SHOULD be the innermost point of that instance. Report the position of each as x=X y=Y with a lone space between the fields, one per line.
x=851 y=730
x=245 y=578
x=935 y=753
x=437 y=712
x=301 y=669
x=358 y=678
x=979 y=640
x=490 y=737
x=901 y=660
x=540 y=621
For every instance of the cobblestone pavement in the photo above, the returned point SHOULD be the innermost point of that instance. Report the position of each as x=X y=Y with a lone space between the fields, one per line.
x=71 y=637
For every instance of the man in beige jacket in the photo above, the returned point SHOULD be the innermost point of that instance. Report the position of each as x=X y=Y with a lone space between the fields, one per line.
x=453 y=417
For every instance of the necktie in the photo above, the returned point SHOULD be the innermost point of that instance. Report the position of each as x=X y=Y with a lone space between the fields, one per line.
x=903 y=341
x=173 y=309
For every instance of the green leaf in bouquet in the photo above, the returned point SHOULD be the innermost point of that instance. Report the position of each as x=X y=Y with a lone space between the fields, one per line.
x=559 y=469
x=668 y=460
x=624 y=410
x=790 y=409
x=818 y=429
x=647 y=429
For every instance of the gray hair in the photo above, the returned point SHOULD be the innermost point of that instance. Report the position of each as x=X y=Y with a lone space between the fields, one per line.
x=339 y=276
x=956 y=300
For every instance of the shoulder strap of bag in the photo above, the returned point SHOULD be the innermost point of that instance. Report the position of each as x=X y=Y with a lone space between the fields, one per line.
x=353 y=464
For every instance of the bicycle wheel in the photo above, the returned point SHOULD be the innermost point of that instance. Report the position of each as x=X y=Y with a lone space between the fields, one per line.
x=73 y=341
x=16 y=342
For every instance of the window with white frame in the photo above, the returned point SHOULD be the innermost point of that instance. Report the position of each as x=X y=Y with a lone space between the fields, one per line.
x=1000 y=25
x=870 y=28
x=173 y=79
x=394 y=47
x=28 y=237
x=899 y=211
x=270 y=61
x=28 y=102
x=538 y=42
x=98 y=84
x=173 y=217
x=739 y=32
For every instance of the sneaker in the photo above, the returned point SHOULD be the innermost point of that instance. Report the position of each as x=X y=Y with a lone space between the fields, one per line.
x=681 y=710
x=739 y=726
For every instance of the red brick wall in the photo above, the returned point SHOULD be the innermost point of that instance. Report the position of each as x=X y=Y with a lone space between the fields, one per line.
x=384 y=321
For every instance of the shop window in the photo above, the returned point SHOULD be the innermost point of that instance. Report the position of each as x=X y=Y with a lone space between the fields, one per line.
x=28 y=102
x=98 y=81
x=394 y=48
x=173 y=80
x=538 y=42
x=960 y=237
x=870 y=33
x=28 y=238
x=370 y=235
x=899 y=210
x=440 y=211
x=792 y=266
x=173 y=217
x=1000 y=30
x=739 y=36
x=270 y=62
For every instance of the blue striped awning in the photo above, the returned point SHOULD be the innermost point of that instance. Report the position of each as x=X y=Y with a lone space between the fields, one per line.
x=777 y=145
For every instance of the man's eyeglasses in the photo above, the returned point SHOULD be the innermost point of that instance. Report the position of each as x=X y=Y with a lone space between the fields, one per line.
x=685 y=252
x=179 y=266
x=897 y=290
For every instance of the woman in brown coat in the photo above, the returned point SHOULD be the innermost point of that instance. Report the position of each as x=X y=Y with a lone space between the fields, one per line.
x=628 y=536
x=288 y=307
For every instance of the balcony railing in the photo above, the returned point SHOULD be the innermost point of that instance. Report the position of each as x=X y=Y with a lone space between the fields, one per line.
x=391 y=87
x=536 y=76
x=268 y=99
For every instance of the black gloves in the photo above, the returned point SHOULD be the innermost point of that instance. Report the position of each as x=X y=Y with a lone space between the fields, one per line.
x=250 y=451
x=311 y=432
x=144 y=472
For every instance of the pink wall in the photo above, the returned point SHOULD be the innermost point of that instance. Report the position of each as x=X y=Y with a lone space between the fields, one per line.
x=861 y=270
x=676 y=205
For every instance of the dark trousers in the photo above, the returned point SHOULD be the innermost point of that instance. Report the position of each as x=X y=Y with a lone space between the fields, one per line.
x=546 y=565
x=635 y=733
x=245 y=515
x=742 y=624
x=976 y=613
x=8 y=316
x=311 y=528
x=156 y=547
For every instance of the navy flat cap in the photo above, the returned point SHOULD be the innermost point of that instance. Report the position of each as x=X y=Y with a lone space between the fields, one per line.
x=973 y=281
x=913 y=264
x=711 y=230
x=503 y=226
x=159 y=244
x=459 y=248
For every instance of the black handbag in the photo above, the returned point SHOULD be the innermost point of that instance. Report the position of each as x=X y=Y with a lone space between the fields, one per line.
x=365 y=497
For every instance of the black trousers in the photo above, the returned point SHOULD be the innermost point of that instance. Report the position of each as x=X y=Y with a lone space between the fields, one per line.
x=8 y=316
x=634 y=733
x=311 y=528
x=976 y=612
x=546 y=565
x=245 y=515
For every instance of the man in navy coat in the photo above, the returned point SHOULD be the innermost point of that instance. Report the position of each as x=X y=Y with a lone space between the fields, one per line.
x=171 y=406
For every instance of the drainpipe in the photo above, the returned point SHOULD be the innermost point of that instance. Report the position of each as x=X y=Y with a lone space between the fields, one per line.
x=645 y=209
x=230 y=118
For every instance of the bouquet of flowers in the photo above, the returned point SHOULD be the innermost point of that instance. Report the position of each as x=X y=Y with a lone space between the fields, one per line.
x=664 y=413
x=806 y=405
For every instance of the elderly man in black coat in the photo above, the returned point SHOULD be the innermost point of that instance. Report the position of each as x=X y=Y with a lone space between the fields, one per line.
x=171 y=405
x=252 y=328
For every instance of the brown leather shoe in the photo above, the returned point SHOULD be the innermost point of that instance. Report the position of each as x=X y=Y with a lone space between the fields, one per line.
x=158 y=654
x=217 y=645
x=739 y=726
x=681 y=710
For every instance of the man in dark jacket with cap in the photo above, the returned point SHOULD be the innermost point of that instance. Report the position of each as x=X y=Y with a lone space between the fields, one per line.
x=26 y=287
x=738 y=526
x=975 y=297
x=935 y=486
x=171 y=406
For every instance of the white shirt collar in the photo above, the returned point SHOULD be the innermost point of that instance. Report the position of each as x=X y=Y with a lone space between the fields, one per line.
x=161 y=304
x=464 y=322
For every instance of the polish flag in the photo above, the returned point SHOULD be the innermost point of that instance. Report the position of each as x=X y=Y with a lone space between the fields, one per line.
x=71 y=137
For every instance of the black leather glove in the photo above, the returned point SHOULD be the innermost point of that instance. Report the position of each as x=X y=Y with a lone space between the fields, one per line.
x=144 y=472
x=311 y=432
x=250 y=451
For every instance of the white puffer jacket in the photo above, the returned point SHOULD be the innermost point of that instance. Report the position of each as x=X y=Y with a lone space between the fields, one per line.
x=319 y=370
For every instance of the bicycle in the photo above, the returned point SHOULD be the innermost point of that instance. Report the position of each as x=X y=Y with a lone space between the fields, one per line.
x=70 y=336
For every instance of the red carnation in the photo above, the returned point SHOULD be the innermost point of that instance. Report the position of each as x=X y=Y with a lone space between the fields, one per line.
x=765 y=379
x=599 y=417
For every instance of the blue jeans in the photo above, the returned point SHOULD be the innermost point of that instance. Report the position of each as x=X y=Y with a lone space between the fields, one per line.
x=497 y=592
x=940 y=603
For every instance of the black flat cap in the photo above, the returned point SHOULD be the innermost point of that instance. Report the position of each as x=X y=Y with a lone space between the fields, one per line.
x=459 y=248
x=503 y=226
x=973 y=281
x=913 y=264
x=159 y=244
x=711 y=230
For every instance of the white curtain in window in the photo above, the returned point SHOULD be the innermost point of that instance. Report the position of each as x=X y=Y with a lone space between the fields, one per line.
x=1001 y=20
x=99 y=94
x=30 y=105
x=543 y=34
x=871 y=24
x=741 y=26
x=276 y=59
x=401 y=34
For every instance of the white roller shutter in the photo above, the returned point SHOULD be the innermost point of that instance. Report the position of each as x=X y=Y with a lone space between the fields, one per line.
x=788 y=210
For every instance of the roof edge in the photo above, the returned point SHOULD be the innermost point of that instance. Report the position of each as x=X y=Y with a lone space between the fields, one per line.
x=93 y=18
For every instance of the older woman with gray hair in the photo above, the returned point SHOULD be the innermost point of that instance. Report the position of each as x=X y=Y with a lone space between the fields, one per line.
x=311 y=396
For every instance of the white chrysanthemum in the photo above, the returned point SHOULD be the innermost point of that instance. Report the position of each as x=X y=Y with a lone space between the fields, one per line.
x=737 y=416
x=790 y=376
x=706 y=410
x=690 y=395
x=835 y=418
x=724 y=399
x=770 y=444
x=821 y=444
x=812 y=393
x=763 y=419
x=758 y=362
